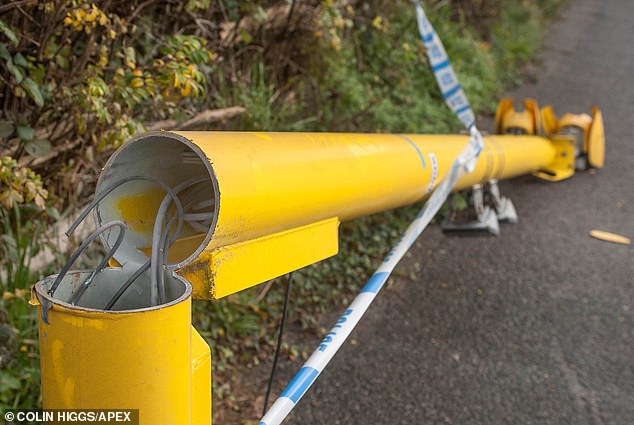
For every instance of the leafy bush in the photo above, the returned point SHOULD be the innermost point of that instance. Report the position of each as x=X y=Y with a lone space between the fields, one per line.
x=78 y=77
x=22 y=205
x=513 y=47
x=20 y=185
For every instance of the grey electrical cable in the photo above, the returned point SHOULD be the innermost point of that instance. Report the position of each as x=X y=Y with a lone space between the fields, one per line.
x=143 y=268
x=107 y=191
x=165 y=244
x=171 y=194
x=90 y=207
x=198 y=216
x=84 y=286
x=197 y=226
x=195 y=193
x=127 y=284
x=145 y=265
x=83 y=247
x=204 y=204
x=157 y=291
x=175 y=236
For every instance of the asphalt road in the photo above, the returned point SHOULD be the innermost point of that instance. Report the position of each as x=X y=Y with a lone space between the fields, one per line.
x=535 y=326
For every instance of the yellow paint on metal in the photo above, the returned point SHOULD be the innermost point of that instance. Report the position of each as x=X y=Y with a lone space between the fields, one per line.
x=528 y=120
x=113 y=263
x=581 y=121
x=596 y=140
x=279 y=199
x=139 y=359
x=136 y=206
x=249 y=263
x=504 y=106
x=201 y=380
x=592 y=129
x=549 y=120
x=181 y=245
x=563 y=167
x=296 y=179
x=285 y=181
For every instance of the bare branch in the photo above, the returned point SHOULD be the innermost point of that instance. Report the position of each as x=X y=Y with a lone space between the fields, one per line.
x=205 y=117
x=13 y=4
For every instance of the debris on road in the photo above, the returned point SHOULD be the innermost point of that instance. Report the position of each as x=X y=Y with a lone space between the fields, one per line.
x=610 y=237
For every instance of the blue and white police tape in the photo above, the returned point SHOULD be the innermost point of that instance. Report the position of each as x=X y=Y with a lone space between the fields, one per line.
x=464 y=163
x=344 y=326
x=443 y=71
x=446 y=78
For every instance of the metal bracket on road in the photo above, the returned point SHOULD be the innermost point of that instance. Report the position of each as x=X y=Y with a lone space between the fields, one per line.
x=503 y=206
x=486 y=208
x=478 y=218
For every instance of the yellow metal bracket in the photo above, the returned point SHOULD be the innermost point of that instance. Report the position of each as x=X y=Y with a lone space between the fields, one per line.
x=229 y=269
x=549 y=120
x=596 y=140
x=508 y=119
x=201 y=379
x=591 y=127
x=563 y=166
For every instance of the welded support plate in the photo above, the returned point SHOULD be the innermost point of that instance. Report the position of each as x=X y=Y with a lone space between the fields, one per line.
x=229 y=269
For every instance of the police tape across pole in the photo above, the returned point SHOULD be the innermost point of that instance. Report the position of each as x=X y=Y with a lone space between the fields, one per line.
x=464 y=163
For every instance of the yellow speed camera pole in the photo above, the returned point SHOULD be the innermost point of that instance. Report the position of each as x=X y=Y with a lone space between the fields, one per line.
x=147 y=359
x=280 y=197
x=273 y=203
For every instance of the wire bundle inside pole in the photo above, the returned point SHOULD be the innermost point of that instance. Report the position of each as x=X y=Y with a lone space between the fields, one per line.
x=170 y=219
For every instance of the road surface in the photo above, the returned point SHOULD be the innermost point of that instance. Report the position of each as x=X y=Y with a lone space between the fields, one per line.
x=535 y=326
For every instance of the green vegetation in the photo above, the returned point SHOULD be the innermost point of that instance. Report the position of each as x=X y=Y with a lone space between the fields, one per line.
x=77 y=78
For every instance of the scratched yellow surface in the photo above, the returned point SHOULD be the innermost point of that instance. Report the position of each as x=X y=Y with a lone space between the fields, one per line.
x=151 y=360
